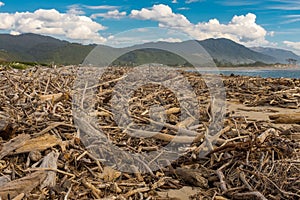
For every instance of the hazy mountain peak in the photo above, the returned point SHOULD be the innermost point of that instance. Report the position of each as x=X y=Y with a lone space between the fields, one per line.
x=280 y=54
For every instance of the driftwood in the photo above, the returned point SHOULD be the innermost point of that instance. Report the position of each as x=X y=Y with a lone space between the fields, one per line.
x=24 y=144
x=42 y=155
x=270 y=132
x=286 y=118
x=26 y=184
x=22 y=185
x=13 y=144
x=193 y=177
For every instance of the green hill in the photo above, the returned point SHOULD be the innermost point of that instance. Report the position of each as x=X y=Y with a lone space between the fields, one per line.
x=225 y=51
x=149 y=55
x=41 y=49
x=45 y=49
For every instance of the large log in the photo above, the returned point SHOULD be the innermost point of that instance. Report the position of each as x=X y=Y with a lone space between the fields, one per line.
x=291 y=118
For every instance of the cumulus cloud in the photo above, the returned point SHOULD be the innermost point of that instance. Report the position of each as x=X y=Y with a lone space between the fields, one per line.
x=242 y=29
x=51 y=22
x=163 y=14
x=114 y=14
x=1 y=4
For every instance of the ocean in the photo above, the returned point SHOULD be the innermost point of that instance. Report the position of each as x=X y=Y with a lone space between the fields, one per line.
x=282 y=73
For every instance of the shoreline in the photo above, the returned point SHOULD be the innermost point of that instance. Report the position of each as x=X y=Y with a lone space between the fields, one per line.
x=269 y=68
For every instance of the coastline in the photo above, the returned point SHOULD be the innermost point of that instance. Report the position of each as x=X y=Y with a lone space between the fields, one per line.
x=242 y=68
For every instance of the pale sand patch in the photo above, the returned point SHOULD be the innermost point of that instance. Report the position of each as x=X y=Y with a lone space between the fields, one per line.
x=182 y=194
x=258 y=113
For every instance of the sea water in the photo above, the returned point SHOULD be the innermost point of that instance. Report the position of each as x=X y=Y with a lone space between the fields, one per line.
x=282 y=73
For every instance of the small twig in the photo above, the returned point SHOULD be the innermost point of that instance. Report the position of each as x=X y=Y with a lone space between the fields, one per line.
x=222 y=177
x=222 y=180
x=100 y=168
x=50 y=169
x=50 y=127
x=146 y=166
x=96 y=192
x=132 y=192
x=274 y=184
x=243 y=179
x=81 y=156
x=273 y=164
x=68 y=193
x=172 y=127
x=256 y=194
x=167 y=137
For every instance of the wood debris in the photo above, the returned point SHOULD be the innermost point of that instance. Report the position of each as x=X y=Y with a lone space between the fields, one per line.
x=286 y=118
x=43 y=157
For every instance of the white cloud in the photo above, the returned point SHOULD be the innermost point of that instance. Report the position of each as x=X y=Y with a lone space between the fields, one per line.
x=163 y=14
x=75 y=9
x=239 y=2
x=14 y=33
x=183 y=8
x=102 y=7
x=174 y=1
x=193 y=1
x=114 y=14
x=1 y=4
x=291 y=19
x=271 y=33
x=242 y=29
x=295 y=45
x=285 y=5
x=142 y=30
x=51 y=22
x=289 y=7
x=170 y=39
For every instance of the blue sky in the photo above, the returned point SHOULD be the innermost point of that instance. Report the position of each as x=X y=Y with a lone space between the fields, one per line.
x=273 y=23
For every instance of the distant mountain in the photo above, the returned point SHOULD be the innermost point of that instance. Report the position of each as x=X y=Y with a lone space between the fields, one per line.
x=41 y=49
x=227 y=51
x=223 y=52
x=280 y=54
x=45 y=49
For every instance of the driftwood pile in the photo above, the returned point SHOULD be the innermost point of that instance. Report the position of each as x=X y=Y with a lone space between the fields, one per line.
x=256 y=91
x=42 y=155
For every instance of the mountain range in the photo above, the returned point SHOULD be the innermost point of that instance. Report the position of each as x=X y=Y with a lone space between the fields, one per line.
x=224 y=52
x=280 y=54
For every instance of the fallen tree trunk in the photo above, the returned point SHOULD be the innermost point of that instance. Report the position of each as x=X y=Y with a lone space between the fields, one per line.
x=286 y=118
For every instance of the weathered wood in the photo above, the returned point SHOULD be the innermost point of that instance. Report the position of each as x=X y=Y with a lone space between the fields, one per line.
x=40 y=143
x=37 y=111
x=286 y=118
x=13 y=144
x=22 y=185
